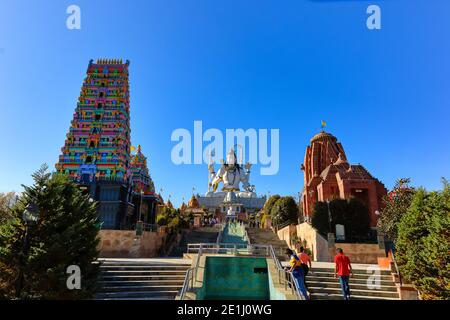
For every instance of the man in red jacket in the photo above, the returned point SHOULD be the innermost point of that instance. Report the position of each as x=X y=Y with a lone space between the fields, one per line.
x=343 y=269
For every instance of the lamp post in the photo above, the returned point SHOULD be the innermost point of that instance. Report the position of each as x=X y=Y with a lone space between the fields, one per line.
x=30 y=216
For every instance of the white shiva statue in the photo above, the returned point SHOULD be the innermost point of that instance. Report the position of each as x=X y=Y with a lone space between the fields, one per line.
x=231 y=174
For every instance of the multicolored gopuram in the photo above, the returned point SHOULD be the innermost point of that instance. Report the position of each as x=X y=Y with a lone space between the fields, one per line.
x=141 y=181
x=97 y=149
x=98 y=142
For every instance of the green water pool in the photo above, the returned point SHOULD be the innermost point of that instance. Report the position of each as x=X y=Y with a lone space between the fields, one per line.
x=235 y=278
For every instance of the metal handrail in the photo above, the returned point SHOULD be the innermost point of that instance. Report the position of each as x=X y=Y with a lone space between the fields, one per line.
x=397 y=270
x=285 y=277
x=187 y=279
x=191 y=275
x=219 y=236
x=246 y=236
x=225 y=248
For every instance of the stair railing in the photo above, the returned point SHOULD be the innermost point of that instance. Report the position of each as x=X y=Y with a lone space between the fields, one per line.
x=397 y=270
x=219 y=236
x=188 y=283
x=285 y=277
x=191 y=275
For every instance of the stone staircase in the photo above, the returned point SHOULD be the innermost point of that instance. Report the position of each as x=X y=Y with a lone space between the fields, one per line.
x=323 y=286
x=141 y=279
x=200 y=235
x=264 y=236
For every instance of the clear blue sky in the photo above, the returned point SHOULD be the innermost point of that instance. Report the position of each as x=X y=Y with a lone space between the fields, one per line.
x=236 y=64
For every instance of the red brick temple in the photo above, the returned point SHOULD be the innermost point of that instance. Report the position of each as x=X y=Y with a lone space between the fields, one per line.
x=328 y=175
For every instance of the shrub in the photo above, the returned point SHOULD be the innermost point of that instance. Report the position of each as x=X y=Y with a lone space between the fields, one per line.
x=161 y=220
x=285 y=210
x=352 y=213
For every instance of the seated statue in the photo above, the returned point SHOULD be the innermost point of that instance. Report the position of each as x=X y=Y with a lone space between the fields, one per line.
x=231 y=174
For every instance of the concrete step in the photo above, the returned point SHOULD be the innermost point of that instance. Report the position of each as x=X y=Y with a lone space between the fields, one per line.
x=149 y=265
x=138 y=295
x=334 y=296
x=142 y=272
x=356 y=271
x=356 y=292
x=132 y=283
x=180 y=276
x=330 y=274
x=138 y=288
x=352 y=280
x=359 y=286
x=143 y=267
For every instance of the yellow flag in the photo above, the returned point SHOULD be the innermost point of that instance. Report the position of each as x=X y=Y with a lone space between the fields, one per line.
x=323 y=124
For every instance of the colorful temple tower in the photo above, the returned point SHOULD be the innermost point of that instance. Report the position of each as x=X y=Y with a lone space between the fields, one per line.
x=96 y=153
x=98 y=141
x=141 y=180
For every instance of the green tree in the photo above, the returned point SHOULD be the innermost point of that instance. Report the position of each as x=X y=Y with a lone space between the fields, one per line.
x=161 y=219
x=357 y=220
x=352 y=213
x=319 y=218
x=65 y=234
x=270 y=203
x=285 y=210
x=6 y=202
x=396 y=203
x=174 y=223
x=423 y=243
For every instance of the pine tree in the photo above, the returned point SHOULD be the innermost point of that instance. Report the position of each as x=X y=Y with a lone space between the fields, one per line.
x=396 y=203
x=423 y=243
x=65 y=234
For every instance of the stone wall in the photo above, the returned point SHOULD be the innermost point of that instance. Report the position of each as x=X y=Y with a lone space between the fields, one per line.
x=287 y=234
x=314 y=241
x=361 y=252
x=322 y=251
x=307 y=234
x=125 y=244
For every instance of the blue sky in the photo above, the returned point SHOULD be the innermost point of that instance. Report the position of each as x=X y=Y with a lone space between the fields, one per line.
x=236 y=64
